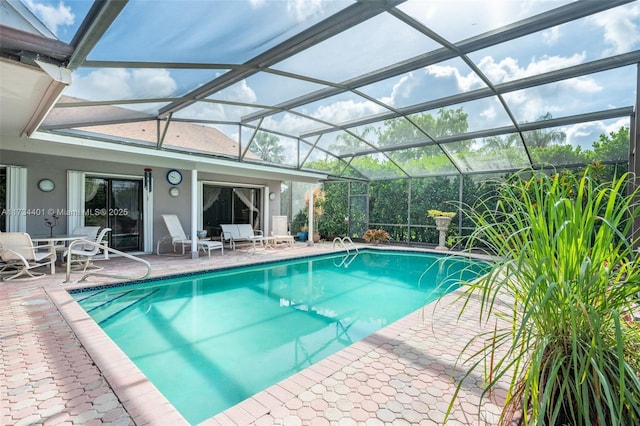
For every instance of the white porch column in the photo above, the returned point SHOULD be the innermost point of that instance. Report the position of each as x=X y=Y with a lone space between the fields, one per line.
x=194 y=214
x=266 y=223
x=75 y=199
x=16 y=198
x=310 y=214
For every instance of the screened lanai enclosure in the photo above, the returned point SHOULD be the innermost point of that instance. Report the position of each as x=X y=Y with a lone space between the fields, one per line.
x=398 y=106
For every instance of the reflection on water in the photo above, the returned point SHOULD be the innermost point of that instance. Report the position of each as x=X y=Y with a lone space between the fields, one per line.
x=210 y=341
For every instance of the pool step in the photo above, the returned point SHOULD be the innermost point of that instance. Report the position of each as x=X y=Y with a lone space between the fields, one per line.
x=103 y=307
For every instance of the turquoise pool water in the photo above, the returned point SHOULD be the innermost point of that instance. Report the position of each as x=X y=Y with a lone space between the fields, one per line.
x=209 y=341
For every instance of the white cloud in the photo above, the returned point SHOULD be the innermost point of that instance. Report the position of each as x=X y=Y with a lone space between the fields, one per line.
x=464 y=83
x=303 y=9
x=584 y=134
x=586 y=85
x=559 y=99
x=431 y=82
x=402 y=89
x=509 y=69
x=52 y=17
x=615 y=126
x=300 y=10
x=489 y=113
x=291 y=123
x=498 y=72
x=150 y=83
x=202 y=111
x=337 y=112
x=240 y=92
x=564 y=98
x=120 y=83
x=551 y=36
x=528 y=105
x=342 y=111
x=620 y=28
x=459 y=19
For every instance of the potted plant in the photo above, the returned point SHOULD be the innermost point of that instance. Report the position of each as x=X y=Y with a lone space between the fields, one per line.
x=299 y=222
x=376 y=236
x=303 y=233
x=565 y=261
x=443 y=220
x=51 y=223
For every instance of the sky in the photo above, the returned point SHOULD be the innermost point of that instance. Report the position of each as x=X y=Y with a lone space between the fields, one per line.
x=233 y=31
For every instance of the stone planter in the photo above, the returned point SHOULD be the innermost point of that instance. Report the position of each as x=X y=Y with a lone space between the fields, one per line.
x=442 y=225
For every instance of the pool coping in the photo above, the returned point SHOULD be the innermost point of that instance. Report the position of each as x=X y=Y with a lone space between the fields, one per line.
x=142 y=400
x=147 y=405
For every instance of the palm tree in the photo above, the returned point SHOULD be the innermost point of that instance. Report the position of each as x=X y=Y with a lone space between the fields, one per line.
x=543 y=138
x=267 y=146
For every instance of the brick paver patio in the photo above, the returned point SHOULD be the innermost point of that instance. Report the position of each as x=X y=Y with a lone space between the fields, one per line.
x=58 y=368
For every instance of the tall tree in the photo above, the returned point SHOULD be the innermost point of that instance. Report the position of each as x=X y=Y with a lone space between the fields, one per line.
x=400 y=131
x=267 y=146
x=614 y=146
x=350 y=143
x=497 y=143
x=543 y=138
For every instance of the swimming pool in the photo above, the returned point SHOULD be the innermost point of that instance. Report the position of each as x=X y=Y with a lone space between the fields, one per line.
x=208 y=341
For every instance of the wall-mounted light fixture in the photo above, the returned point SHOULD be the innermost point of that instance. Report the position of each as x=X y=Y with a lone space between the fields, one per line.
x=147 y=179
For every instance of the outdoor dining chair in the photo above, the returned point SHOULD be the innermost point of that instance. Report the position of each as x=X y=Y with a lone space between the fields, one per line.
x=90 y=232
x=81 y=255
x=20 y=256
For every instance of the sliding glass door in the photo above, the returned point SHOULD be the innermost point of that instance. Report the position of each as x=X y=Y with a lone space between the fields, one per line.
x=117 y=204
x=229 y=205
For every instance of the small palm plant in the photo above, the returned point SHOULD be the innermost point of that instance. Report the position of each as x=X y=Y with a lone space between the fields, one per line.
x=566 y=261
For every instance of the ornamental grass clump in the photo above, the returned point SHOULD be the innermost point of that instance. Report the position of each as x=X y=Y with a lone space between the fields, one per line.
x=566 y=262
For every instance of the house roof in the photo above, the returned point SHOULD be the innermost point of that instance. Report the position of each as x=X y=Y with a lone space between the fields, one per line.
x=189 y=137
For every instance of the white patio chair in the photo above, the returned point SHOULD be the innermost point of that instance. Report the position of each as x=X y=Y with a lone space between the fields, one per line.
x=280 y=231
x=6 y=268
x=90 y=232
x=83 y=254
x=18 y=252
x=177 y=237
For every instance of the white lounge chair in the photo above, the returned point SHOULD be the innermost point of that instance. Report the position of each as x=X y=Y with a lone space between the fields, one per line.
x=82 y=254
x=177 y=237
x=280 y=231
x=18 y=252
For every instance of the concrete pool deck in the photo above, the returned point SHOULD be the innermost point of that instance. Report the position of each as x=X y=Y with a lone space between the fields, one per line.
x=57 y=367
